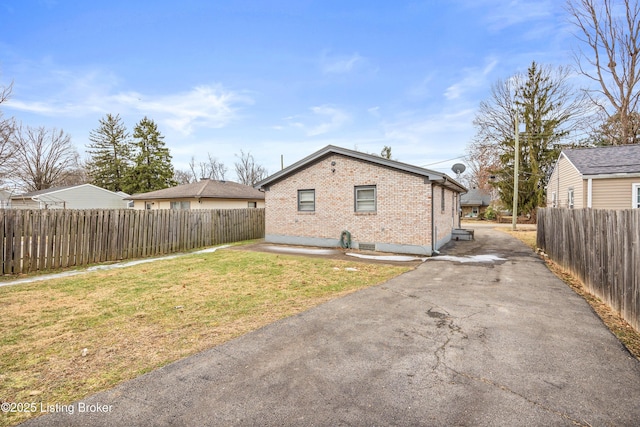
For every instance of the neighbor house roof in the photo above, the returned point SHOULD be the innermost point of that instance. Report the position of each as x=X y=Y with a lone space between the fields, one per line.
x=371 y=158
x=617 y=159
x=475 y=197
x=203 y=189
x=54 y=190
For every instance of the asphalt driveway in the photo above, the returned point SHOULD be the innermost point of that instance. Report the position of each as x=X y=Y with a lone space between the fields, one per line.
x=451 y=343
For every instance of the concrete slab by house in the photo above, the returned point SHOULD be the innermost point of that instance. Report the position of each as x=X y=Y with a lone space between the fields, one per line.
x=472 y=344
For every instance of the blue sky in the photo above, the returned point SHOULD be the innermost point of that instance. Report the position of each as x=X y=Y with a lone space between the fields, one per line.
x=274 y=77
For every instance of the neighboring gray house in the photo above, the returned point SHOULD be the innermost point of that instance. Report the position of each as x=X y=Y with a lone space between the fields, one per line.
x=474 y=203
x=600 y=177
x=83 y=196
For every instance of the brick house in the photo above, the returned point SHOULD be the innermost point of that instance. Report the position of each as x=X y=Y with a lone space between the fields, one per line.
x=383 y=204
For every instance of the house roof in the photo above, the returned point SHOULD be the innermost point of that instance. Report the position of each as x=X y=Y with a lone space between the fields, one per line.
x=203 y=189
x=616 y=159
x=53 y=190
x=381 y=161
x=475 y=197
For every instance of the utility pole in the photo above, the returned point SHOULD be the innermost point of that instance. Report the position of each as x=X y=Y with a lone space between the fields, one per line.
x=516 y=159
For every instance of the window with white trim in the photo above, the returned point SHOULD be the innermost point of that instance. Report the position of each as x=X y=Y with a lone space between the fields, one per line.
x=306 y=200
x=636 y=196
x=365 y=198
x=252 y=204
x=554 y=200
x=570 y=198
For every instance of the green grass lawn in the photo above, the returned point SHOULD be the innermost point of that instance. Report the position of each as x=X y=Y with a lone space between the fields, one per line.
x=64 y=339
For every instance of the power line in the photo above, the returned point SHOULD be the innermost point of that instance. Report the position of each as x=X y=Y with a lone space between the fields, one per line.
x=443 y=161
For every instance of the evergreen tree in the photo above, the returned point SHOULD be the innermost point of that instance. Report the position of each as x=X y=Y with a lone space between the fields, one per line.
x=550 y=111
x=110 y=154
x=152 y=168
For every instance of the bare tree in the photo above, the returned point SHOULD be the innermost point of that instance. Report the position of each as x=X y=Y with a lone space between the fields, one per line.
x=247 y=171
x=550 y=111
x=182 y=176
x=482 y=160
x=7 y=128
x=44 y=158
x=211 y=169
x=612 y=39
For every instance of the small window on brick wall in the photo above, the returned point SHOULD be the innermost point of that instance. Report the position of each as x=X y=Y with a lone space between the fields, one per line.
x=442 y=199
x=365 y=198
x=306 y=200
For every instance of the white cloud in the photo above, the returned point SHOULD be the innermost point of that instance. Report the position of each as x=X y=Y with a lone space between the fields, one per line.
x=340 y=64
x=502 y=14
x=473 y=78
x=203 y=106
x=95 y=91
x=324 y=119
x=335 y=119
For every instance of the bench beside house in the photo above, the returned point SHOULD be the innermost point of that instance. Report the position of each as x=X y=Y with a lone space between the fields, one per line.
x=338 y=196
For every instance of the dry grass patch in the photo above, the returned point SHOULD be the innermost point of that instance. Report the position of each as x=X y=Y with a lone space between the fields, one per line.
x=616 y=324
x=64 y=339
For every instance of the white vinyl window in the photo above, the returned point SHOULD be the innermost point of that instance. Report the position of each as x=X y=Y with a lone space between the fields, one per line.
x=306 y=200
x=365 y=198
x=636 y=196
x=252 y=204
x=570 y=198
x=554 y=200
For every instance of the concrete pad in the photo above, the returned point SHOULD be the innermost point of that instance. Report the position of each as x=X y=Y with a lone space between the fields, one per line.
x=448 y=343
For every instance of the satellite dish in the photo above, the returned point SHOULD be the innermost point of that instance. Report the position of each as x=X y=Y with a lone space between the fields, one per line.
x=458 y=168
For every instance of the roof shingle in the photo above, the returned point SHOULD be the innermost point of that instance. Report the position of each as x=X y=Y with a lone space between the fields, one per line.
x=605 y=160
x=205 y=189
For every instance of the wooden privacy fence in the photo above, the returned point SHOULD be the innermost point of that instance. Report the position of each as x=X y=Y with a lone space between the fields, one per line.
x=600 y=247
x=48 y=239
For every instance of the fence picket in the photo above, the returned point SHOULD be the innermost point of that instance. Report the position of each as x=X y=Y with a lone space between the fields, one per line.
x=35 y=240
x=602 y=248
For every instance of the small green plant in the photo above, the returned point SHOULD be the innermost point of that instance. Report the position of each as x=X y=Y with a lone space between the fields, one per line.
x=490 y=213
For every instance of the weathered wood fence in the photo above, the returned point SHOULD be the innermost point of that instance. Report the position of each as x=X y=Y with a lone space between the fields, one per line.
x=600 y=247
x=33 y=240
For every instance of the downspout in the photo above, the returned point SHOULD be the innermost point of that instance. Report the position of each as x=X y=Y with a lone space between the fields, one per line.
x=433 y=222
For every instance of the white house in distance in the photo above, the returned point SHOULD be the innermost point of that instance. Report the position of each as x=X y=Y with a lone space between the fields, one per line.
x=204 y=194
x=83 y=196
x=599 y=178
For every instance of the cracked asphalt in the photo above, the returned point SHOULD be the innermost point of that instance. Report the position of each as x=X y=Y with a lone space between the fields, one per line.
x=446 y=344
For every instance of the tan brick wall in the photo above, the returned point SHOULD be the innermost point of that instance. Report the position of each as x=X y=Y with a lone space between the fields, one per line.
x=403 y=204
x=445 y=215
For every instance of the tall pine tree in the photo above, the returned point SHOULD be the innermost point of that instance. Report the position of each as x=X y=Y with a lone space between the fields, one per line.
x=550 y=110
x=110 y=154
x=152 y=168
